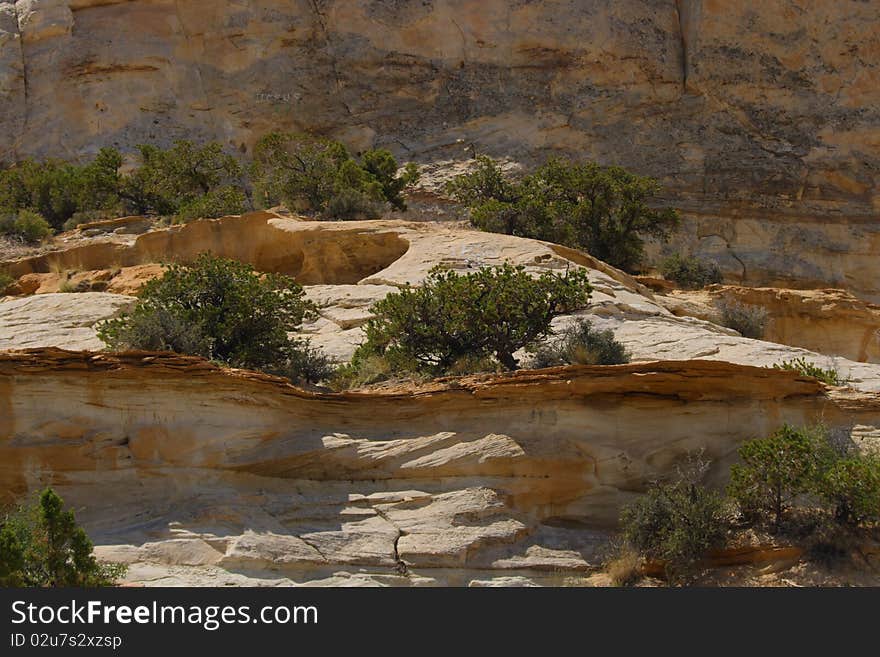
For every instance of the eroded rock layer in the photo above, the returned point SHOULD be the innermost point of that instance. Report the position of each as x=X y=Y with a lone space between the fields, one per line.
x=200 y=475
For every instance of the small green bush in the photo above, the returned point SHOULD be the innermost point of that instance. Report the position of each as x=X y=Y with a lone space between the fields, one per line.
x=57 y=190
x=43 y=546
x=490 y=313
x=222 y=310
x=220 y=202
x=749 y=321
x=606 y=211
x=776 y=470
x=313 y=174
x=365 y=368
x=804 y=367
x=26 y=226
x=676 y=523
x=5 y=281
x=690 y=273
x=851 y=486
x=581 y=344
x=184 y=178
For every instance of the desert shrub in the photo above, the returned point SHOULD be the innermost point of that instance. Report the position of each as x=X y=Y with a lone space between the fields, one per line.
x=383 y=167
x=26 y=226
x=219 y=202
x=222 y=310
x=310 y=173
x=365 y=368
x=50 y=188
x=804 y=367
x=179 y=178
x=42 y=545
x=5 y=281
x=776 y=470
x=581 y=344
x=690 y=273
x=850 y=485
x=57 y=190
x=749 y=321
x=490 y=313
x=349 y=204
x=100 y=181
x=625 y=567
x=67 y=287
x=603 y=210
x=676 y=522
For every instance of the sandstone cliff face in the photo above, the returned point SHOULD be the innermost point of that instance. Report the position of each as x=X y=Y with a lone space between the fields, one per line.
x=832 y=322
x=761 y=120
x=200 y=475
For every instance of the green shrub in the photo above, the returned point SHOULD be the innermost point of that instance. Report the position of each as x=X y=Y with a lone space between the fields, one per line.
x=749 y=321
x=603 y=210
x=43 y=546
x=222 y=310
x=57 y=190
x=676 y=523
x=364 y=369
x=5 y=281
x=776 y=470
x=851 y=486
x=26 y=226
x=690 y=273
x=180 y=178
x=220 y=202
x=490 y=313
x=319 y=175
x=806 y=368
x=581 y=344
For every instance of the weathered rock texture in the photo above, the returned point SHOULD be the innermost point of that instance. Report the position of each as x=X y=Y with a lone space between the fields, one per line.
x=761 y=119
x=831 y=322
x=347 y=266
x=196 y=474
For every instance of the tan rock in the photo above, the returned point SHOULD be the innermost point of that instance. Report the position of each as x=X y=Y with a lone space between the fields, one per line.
x=57 y=319
x=197 y=475
x=831 y=322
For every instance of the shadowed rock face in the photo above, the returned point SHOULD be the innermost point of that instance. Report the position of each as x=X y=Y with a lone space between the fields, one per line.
x=312 y=253
x=760 y=120
x=196 y=474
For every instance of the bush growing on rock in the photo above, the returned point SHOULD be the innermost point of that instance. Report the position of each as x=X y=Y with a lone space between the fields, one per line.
x=313 y=174
x=57 y=190
x=198 y=181
x=749 y=321
x=804 y=367
x=690 y=273
x=602 y=210
x=777 y=470
x=676 y=522
x=26 y=226
x=581 y=344
x=222 y=310
x=5 y=281
x=43 y=546
x=487 y=314
x=850 y=485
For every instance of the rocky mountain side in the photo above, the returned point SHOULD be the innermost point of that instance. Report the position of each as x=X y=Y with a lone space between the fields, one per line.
x=198 y=475
x=195 y=474
x=760 y=120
